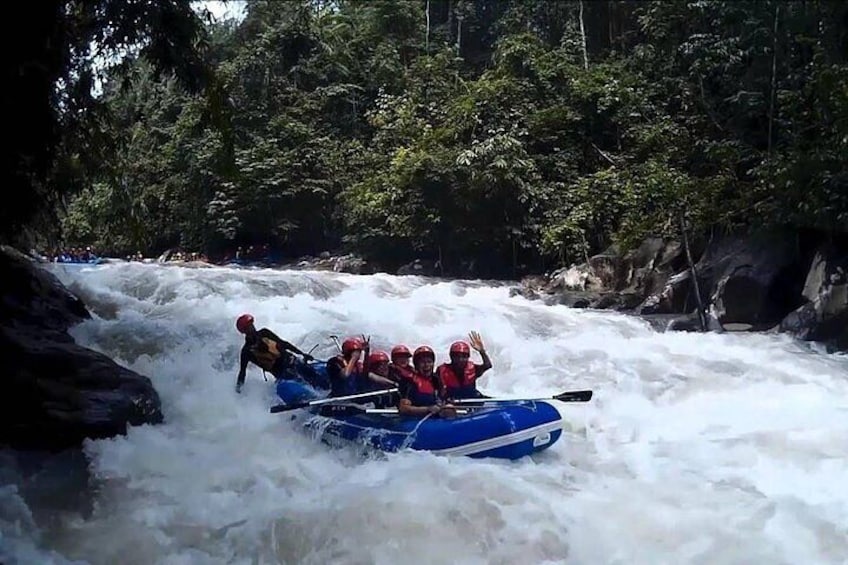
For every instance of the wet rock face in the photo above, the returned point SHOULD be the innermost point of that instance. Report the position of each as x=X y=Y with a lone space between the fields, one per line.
x=778 y=280
x=34 y=297
x=350 y=263
x=824 y=315
x=55 y=392
x=754 y=280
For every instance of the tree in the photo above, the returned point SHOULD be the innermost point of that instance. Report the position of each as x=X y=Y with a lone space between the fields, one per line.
x=49 y=82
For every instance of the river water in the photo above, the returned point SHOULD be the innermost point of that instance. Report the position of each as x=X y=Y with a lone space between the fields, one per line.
x=696 y=448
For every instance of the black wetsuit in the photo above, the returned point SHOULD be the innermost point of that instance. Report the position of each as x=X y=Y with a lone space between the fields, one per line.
x=257 y=350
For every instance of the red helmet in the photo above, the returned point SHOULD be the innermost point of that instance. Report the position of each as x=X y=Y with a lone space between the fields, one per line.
x=459 y=348
x=422 y=351
x=243 y=322
x=401 y=351
x=378 y=357
x=352 y=344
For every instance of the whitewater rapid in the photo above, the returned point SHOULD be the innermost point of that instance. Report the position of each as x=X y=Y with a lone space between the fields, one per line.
x=696 y=448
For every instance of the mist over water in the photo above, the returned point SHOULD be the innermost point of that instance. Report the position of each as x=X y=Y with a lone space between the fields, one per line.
x=695 y=449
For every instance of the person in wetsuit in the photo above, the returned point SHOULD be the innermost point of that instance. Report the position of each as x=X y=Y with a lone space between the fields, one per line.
x=265 y=349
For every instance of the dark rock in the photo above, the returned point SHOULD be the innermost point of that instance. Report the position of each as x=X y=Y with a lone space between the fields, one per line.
x=607 y=272
x=31 y=295
x=748 y=282
x=165 y=256
x=635 y=275
x=645 y=270
x=50 y=482
x=574 y=299
x=692 y=323
x=530 y=287
x=752 y=279
x=577 y=278
x=622 y=301
x=749 y=279
x=420 y=267
x=659 y=322
x=688 y=323
x=57 y=393
x=352 y=264
x=825 y=316
x=677 y=296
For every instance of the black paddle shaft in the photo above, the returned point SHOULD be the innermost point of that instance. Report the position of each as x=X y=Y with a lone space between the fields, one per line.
x=574 y=396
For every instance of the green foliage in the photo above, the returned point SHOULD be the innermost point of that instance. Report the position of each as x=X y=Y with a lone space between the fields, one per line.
x=488 y=137
x=60 y=136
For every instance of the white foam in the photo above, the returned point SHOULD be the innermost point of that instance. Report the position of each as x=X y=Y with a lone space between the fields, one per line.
x=695 y=448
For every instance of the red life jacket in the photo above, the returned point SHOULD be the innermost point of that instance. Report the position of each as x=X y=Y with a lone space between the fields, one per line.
x=422 y=392
x=459 y=386
x=401 y=373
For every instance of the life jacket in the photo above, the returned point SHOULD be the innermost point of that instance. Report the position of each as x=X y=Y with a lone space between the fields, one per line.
x=268 y=357
x=459 y=386
x=347 y=385
x=423 y=391
x=398 y=373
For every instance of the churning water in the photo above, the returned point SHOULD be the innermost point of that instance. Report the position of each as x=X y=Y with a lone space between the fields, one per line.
x=695 y=449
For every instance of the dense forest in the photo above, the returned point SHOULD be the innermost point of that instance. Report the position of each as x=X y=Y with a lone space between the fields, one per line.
x=518 y=134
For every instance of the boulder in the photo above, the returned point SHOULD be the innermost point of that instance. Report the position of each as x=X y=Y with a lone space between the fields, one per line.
x=419 y=267
x=691 y=322
x=529 y=287
x=620 y=281
x=57 y=393
x=824 y=315
x=753 y=280
x=351 y=264
x=676 y=296
x=579 y=278
x=749 y=279
x=34 y=297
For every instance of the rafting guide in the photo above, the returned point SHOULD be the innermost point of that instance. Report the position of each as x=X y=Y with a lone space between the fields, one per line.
x=267 y=350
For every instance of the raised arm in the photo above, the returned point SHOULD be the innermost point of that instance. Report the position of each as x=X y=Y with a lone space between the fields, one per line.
x=477 y=344
x=350 y=366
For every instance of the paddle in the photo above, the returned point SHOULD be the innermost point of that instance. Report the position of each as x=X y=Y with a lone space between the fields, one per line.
x=568 y=396
x=335 y=400
x=392 y=411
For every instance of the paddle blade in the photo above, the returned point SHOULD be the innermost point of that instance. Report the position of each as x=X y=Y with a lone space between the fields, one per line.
x=574 y=396
x=286 y=407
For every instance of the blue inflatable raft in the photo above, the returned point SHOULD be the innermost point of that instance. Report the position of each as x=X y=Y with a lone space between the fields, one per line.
x=506 y=430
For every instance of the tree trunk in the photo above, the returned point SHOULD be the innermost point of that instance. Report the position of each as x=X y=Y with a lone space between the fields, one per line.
x=583 y=37
x=773 y=79
x=450 y=21
x=514 y=257
x=427 y=33
x=702 y=315
x=585 y=247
